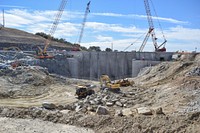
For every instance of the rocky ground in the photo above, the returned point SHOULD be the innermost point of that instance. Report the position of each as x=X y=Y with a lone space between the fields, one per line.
x=10 y=125
x=164 y=98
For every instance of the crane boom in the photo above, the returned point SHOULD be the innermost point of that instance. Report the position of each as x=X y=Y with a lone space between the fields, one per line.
x=83 y=23
x=55 y=24
x=151 y=31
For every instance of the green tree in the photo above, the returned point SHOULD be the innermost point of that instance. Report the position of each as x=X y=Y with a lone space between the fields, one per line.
x=108 y=50
x=95 y=48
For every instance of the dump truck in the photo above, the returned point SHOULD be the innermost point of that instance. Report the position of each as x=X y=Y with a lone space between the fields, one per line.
x=82 y=91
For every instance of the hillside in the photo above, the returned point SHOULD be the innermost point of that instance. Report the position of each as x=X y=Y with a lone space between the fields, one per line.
x=25 y=41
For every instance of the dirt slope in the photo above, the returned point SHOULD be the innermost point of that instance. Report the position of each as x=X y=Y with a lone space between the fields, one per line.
x=24 y=40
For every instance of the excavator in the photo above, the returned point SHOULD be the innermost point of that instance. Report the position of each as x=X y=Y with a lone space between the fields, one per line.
x=107 y=83
x=151 y=32
x=42 y=53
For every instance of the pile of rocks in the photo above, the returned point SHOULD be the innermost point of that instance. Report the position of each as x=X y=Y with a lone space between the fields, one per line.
x=106 y=103
x=194 y=72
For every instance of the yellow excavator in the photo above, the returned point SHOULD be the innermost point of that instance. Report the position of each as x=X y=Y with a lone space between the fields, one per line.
x=107 y=83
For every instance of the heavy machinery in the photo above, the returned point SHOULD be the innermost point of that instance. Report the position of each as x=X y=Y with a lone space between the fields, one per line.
x=83 y=91
x=152 y=32
x=77 y=46
x=125 y=82
x=107 y=83
x=42 y=54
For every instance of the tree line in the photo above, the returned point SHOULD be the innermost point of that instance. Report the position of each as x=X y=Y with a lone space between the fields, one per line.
x=62 y=40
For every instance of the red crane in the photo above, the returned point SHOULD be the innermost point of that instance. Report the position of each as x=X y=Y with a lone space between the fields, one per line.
x=42 y=54
x=151 y=32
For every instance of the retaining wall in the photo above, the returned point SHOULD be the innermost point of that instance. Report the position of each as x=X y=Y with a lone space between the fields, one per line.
x=91 y=65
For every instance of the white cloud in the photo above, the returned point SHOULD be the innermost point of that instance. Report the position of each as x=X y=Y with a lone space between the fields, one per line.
x=181 y=33
x=11 y=6
x=112 y=27
x=104 y=38
x=170 y=20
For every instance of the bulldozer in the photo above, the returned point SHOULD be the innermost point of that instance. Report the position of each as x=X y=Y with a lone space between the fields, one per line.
x=107 y=83
x=82 y=91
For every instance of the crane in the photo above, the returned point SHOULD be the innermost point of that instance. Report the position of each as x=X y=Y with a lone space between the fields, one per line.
x=42 y=54
x=151 y=32
x=87 y=10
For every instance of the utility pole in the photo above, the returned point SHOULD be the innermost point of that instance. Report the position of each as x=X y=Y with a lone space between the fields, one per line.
x=3 y=19
x=112 y=46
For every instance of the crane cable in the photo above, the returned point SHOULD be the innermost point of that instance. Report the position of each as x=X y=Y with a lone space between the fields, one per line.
x=158 y=20
x=134 y=41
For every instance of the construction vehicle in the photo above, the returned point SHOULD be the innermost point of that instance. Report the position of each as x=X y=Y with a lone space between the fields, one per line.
x=151 y=32
x=107 y=83
x=77 y=46
x=83 y=91
x=42 y=54
x=125 y=82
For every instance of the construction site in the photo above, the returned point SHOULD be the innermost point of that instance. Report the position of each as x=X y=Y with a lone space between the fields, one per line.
x=49 y=87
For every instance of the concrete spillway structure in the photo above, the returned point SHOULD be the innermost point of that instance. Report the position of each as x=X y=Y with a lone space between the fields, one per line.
x=91 y=65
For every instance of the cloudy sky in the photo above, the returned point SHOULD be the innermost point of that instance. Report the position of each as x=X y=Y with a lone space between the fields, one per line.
x=118 y=23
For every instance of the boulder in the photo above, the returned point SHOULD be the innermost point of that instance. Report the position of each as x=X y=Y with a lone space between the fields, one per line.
x=92 y=102
x=65 y=111
x=69 y=107
x=158 y=111
x=109 y=103
x=78 y=108
x=123 y=101
x=118 y=113
x=144 y=111
x=131 y=93
x=119 y=104
x=90 y=108
x=47 y=105
x=127 y=112
x=114 y=100
x=101 y=110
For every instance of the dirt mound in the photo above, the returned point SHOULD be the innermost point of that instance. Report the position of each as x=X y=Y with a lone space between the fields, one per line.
x=25 y=41
x=166 y=72
x=24 y=81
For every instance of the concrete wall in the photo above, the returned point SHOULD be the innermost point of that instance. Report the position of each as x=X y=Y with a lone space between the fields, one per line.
x=91 y=65
x=137 y=65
